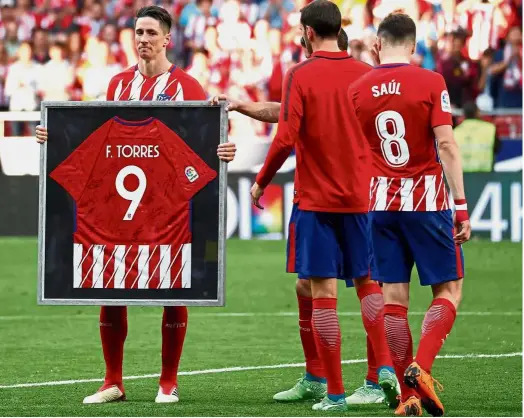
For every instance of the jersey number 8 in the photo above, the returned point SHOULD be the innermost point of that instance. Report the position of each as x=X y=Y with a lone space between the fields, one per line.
x=394 y=147
x=134 y=196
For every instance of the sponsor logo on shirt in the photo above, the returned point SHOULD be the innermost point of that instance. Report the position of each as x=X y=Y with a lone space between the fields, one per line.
x=162 y=97
x=191 y=174
x=444 y=101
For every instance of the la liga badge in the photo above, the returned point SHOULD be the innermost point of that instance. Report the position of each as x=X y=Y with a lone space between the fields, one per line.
x=191 y=174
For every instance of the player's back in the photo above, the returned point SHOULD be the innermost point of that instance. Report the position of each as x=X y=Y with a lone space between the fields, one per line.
x=331 y=153
x=398 y=106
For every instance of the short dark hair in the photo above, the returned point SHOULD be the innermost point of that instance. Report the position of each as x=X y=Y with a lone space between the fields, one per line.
x=159 y=14
x=470 y=110
x=397 y=28
x=343 y=40
x=323 y=17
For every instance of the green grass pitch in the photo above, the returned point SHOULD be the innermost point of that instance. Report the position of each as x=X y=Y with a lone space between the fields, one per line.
x=48 y=344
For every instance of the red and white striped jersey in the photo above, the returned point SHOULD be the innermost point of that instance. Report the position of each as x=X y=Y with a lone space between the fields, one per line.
x=132 y=266
x=173 y=85
x=485 y=22
x=398 y=105
x=426 y=193
x=132 y=183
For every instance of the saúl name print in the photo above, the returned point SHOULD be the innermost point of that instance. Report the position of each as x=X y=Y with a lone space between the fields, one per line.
x=386 y=88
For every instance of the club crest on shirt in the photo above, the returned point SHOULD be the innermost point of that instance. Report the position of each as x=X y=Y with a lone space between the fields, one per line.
x=162 y=97
x=191 y=174
x=445 y=102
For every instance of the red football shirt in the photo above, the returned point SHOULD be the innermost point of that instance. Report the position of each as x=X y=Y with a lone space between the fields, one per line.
x=332 y=156
x=398 y=106
x=173 y=85
x=132 y=183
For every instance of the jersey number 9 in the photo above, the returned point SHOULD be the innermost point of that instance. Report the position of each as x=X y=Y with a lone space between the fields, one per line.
x=134 y=196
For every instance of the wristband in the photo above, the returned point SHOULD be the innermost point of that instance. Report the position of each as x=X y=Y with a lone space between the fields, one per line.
x=461 y=210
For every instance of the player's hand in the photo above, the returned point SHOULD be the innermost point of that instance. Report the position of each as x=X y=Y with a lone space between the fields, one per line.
x=374 y=54
x=231 y=105
x=226 y=151
x=256 y=193
x=463 y=229
x=41 y=134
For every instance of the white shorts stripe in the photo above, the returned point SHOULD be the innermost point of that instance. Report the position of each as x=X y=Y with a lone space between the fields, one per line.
x=431 y=203
x=381 y=194
x=165 y=266
x=77 y=265
x=120 y=267
x=406 y=195
x=98 y=265
x=186 y=266
x=143 y=266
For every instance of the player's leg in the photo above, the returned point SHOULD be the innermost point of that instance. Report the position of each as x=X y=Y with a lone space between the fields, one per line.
x=314 y=369
x=313 y=384
x=440 y=264
x=372 y=308
x=393 y=264
x=318 y=257
x=370 y=392
x=113 y=333
x=174 y=326
x=438 y=321
x=400 y=341
x=326 y=330
x=356 y=250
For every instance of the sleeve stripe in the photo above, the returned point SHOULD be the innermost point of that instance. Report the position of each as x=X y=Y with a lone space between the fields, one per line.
x=289 y=82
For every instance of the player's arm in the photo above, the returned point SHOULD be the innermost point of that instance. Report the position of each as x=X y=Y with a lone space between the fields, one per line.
x=226 y=151
x=449 y=154
x=262 y=111
x=450 y=157
x=289 y=121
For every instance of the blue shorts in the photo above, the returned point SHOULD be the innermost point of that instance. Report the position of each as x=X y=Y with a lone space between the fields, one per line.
x=329 y=245
x=402 y=239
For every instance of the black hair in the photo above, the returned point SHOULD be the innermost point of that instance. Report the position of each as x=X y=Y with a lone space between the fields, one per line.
x=343 y=40
x=470 y=110
x=397 y=28
x=159 y=14
x=323 y=17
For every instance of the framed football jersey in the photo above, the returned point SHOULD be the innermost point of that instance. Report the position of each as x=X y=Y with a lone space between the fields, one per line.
x=132 y=204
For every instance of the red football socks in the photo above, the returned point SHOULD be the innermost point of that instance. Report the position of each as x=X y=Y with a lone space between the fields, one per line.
x=305 y=312
x=437 y=325
x=372 y=308
x=372 y=375
x=113 y=333
x=400 y=344
x=326 y=331
x=174 y=326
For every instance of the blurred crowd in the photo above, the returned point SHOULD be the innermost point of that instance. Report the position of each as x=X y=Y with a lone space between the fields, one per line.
x=69 y=49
